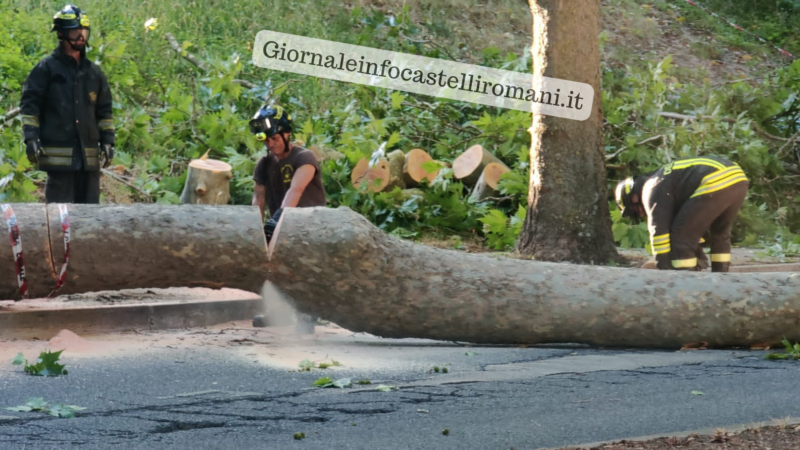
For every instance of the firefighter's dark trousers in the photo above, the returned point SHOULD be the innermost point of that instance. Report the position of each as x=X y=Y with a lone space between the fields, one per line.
x=72 y=186
x=715 y=213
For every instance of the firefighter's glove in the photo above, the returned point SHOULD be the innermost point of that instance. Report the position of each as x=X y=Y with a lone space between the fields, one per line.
x=33 y=149
x=107 y=150
x=272 y=223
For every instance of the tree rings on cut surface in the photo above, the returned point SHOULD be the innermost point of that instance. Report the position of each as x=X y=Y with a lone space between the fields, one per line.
x=469 y=166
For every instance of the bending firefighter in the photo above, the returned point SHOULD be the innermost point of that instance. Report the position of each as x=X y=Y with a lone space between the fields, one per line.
x=682 y=201
x=66 y=114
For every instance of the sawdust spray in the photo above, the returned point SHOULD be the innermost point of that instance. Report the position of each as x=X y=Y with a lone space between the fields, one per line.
x=278 y=309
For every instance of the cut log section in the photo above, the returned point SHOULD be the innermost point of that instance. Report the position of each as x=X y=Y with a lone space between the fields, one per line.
x=487 y=184
x=115 y=247
x=413 y=169
x=385 y=176
x=377 y=178
x=469 y=165
x=208 y=182
x=351 y=273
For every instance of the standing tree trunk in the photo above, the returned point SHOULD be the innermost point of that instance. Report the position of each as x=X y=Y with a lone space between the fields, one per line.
x=568 y=217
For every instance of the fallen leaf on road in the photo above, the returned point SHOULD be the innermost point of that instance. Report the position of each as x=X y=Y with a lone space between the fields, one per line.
x=697 y=393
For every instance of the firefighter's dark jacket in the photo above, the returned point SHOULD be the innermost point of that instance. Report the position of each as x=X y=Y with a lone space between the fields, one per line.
x=67 y=106
x=668 y=189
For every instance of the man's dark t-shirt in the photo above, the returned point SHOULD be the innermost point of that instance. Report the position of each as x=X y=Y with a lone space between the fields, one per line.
x=277 y=175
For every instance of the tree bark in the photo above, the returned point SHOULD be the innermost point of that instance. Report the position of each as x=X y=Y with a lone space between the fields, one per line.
x=397 y=160
x=115 y=247
x=469 y=165
x=335 y=264
x=487 y=184
x=568 y=217
x=325 y=154
x=208 y=182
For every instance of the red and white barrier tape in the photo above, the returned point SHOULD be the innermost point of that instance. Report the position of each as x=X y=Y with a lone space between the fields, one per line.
x=784 y=52
x=65 y=229
x=16 y=247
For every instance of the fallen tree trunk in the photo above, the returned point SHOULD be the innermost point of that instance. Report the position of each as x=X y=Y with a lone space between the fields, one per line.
x=208 y=182
x=335 y=264
x=115 y=247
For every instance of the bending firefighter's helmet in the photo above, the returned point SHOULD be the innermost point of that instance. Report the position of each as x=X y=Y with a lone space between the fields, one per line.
x=70 y=18
x=269 y=121
x=624 y=197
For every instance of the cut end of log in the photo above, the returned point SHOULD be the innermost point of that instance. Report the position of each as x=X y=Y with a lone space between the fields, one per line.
x=273 y=244
x=467 y=162
x=212 y=165
x=492 y=174
x=414 y=166
x=377 y=177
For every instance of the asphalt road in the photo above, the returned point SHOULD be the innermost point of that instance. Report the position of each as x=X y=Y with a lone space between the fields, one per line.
x=232 y=397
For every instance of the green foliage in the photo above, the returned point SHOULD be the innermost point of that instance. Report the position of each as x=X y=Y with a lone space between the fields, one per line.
x=728 y=125
x=306 y=365
x=37 y=404
x=386 y=388
x=299 y=436
x=790 y=351
x=628 y=235
x=502 y=231
x=325 y=382
x=46 y=365
x=168 y=111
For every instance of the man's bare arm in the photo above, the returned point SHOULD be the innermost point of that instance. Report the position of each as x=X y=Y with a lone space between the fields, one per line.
x=302 y=177
x=260 y=198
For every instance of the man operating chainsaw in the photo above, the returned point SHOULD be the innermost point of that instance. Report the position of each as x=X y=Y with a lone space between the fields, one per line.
x=287 y=176
x=66 y=114
x=682 y=201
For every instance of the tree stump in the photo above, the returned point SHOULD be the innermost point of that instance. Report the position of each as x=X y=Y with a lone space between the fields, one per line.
x=208 y=182
x=487 y=184
x=469 y=165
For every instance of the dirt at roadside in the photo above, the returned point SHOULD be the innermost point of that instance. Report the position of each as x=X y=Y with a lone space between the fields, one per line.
x=764 y=438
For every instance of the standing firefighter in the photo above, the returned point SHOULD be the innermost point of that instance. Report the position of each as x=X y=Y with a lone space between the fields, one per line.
x=66 y=114
x=288 y=176
x=682 y=201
